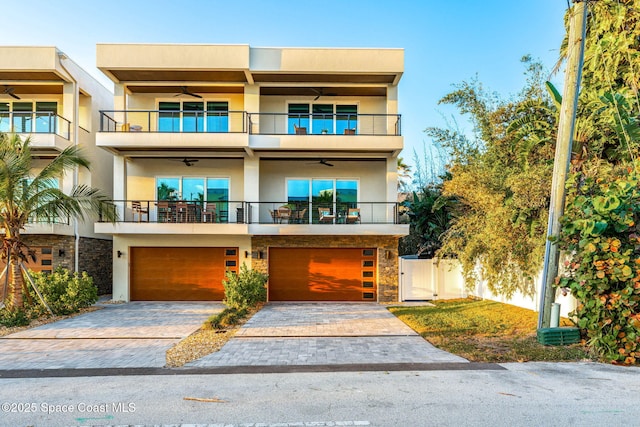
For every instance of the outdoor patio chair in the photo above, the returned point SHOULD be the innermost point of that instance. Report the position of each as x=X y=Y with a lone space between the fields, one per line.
x=137 y=209
x=325 y=215
x=299 y=130
x=353 y=216
x=284 y=213
x=209 y=212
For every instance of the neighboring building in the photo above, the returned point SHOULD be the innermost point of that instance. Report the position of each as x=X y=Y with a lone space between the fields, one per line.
x=46 y=96
x=281 y=158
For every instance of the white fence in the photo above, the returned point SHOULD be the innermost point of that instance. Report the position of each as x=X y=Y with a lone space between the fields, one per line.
x=428 y=279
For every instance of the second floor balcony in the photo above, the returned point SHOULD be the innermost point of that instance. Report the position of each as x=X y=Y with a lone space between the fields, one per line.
x=240 y=217
x=325 y=124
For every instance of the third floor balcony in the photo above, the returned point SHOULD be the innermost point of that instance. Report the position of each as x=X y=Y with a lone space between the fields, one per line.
x=47 y=130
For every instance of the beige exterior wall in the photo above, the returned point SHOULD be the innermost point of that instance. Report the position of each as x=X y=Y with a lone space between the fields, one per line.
x=124 y=243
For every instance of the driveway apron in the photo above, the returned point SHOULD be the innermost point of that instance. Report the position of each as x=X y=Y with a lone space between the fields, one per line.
x=325 y=334
x=128 y=335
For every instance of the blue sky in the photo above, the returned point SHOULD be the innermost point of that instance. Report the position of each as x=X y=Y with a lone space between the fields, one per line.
x=445 y=42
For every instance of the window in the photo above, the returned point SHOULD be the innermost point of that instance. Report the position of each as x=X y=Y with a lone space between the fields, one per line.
x=46 y=117
x=169 y=117
x=298 y=118
x=325 y=118
x=194 y=189
x=322 y=118
x=22 y=117
x=217 y=117
x=190 y=116
x=336 y=194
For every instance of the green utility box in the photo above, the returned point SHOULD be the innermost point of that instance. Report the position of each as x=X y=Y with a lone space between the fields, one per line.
x=558 y=336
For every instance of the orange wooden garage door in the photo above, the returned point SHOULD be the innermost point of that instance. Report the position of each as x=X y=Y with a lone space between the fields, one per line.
x=180 y=274
x=322 y=274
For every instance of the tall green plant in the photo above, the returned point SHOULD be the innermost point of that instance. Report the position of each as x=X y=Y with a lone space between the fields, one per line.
x=500 y=179
x=601 y=237
x=25 y=194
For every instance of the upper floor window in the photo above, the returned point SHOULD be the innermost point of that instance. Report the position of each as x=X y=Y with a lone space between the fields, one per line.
x=322 y=119
x=28 y=117
x=193 y=116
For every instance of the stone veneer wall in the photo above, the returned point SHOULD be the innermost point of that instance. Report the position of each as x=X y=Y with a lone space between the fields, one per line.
x=387 y=255
x=96 y=256
x=58 y=243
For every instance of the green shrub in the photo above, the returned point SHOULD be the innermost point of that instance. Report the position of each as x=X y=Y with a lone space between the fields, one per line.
x=246 y=289
x=600 y=232
x=11 y=318
x=227 y=317
x=65 y=292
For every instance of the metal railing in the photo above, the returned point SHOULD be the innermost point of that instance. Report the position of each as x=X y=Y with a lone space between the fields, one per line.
x=179 y=211
x=319 y=124
x=48 y=219
x=226 y=212
x=177 y=121
x=322 y=213
x=35 y=122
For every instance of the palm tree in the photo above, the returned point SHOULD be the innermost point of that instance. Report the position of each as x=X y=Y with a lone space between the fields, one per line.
x=404 y=174
x=24 y=195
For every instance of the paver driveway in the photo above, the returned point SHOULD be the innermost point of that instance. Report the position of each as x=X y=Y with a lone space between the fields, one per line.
x=128 y=335
x=325 y=334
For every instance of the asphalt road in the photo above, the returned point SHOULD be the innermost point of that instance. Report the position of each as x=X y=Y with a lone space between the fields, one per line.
x=531 y=394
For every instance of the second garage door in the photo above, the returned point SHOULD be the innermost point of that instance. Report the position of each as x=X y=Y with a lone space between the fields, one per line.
x=322 y=274
x=180 y=274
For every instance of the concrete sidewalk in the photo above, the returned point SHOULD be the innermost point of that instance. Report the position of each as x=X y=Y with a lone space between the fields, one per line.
x=128 y=335
x=325 y=334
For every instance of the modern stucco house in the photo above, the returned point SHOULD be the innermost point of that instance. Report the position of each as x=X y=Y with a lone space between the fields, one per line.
x=44 y=95
x=281 y=158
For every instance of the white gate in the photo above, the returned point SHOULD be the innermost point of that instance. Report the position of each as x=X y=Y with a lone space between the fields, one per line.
x=429 y=279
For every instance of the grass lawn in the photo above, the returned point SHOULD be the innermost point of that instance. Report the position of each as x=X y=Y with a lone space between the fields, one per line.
x=486 y=331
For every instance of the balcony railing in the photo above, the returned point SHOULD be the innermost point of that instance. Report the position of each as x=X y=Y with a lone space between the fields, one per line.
x=304 y=212
x=225 y=212
x=34 y=122
x=328 y=124
x=178 y=121
x=48 y=219
x=179 y=211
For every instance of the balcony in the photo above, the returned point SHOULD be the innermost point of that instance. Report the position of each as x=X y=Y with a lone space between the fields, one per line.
x=59 y=225
x=336 y=132
x=123 y=130
x=237 y=217
x=47 y=130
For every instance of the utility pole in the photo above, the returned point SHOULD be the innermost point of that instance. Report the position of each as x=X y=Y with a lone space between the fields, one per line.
x=566 y=125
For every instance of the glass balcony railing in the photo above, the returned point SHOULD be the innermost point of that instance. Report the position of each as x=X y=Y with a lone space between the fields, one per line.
x=325 y=124
x=34 y=122
x=179 y=121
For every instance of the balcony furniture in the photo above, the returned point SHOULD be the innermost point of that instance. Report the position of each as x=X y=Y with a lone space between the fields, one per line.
x=137 y=209
x=325 y=215
x=135 y=128
x=274 y=215
x=182 y=211
x=353 y=216
x=298 y=216
x=126 y=127
x=209 y=213
x=299 y=130
x=284 y=214
x=165 y=212
x=350 y=131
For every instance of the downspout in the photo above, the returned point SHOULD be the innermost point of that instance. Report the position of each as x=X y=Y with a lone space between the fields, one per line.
x=74 y=134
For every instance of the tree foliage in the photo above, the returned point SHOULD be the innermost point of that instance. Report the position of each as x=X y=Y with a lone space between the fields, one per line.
x=25 y=195
x=500 y=178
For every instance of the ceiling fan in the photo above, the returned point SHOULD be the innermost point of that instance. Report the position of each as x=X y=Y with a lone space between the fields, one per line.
x=185 y=91
x=8 y=90
x=320 y=92
x=187 y=161
x=322 y=162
